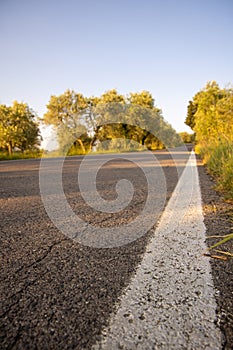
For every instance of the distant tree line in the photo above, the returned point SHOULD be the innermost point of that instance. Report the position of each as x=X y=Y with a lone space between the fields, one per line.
x=111 y=120
x=186 y=137
x=83 y=122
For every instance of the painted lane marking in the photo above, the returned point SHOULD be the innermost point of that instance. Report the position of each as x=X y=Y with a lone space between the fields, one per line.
x=170 y=303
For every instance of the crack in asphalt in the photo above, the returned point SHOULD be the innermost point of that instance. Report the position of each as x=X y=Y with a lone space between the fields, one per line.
x=41 y=258
x=33 y=281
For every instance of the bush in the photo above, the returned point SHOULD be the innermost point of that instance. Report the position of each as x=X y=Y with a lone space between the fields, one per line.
x=219 y=161
x=21 y=155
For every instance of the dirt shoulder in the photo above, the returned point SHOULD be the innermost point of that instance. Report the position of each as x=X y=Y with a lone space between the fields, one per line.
x=218 y=219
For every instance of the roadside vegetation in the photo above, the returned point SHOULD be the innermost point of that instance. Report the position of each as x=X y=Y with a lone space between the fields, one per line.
x=110 y=122
x=187 y=138
x=37 y=153
x=19 y=132
x=210 y=116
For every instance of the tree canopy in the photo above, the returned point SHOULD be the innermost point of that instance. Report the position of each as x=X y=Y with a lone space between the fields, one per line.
x=89 y=120
x=212 y=121
x=210 y=113
x=18 y=127
x=186 y=137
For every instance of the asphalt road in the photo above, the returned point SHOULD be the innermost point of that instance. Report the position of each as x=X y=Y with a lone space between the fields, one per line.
x=170 y=302
x=57 y=293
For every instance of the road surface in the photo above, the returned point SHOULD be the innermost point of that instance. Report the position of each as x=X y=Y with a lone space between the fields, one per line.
x=58 y=292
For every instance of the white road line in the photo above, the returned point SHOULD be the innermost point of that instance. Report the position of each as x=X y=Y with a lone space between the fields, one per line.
x=170 y=301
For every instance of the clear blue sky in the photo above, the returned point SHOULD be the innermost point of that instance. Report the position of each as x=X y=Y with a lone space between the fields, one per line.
x=169 y=47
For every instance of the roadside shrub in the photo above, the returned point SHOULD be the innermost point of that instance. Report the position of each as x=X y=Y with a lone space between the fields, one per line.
x=219 y=161
x=21 y=155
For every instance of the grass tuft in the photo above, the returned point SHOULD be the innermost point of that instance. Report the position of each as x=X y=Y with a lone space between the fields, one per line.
x=21 y=155
x=218 y=158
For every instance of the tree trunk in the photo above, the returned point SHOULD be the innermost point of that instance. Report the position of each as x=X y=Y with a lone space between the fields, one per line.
x=82 y=146
x=144 y=138
x=9 y=146
x=95 y=137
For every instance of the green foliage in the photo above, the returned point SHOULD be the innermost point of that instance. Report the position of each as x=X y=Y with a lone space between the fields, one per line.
x=144 y=99
x=214 y=133
x=18 y=128
x=111 y=96
x=186 y=137
x=214 y=114
x=82 y=123
x=64 y=108
x=66 y=113
x=190 y=119
x=219 y=160
x=36 y=153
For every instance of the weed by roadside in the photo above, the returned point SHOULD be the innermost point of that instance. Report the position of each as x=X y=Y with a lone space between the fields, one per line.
x=218 y=158
x=21 y=155
x=218 y=249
